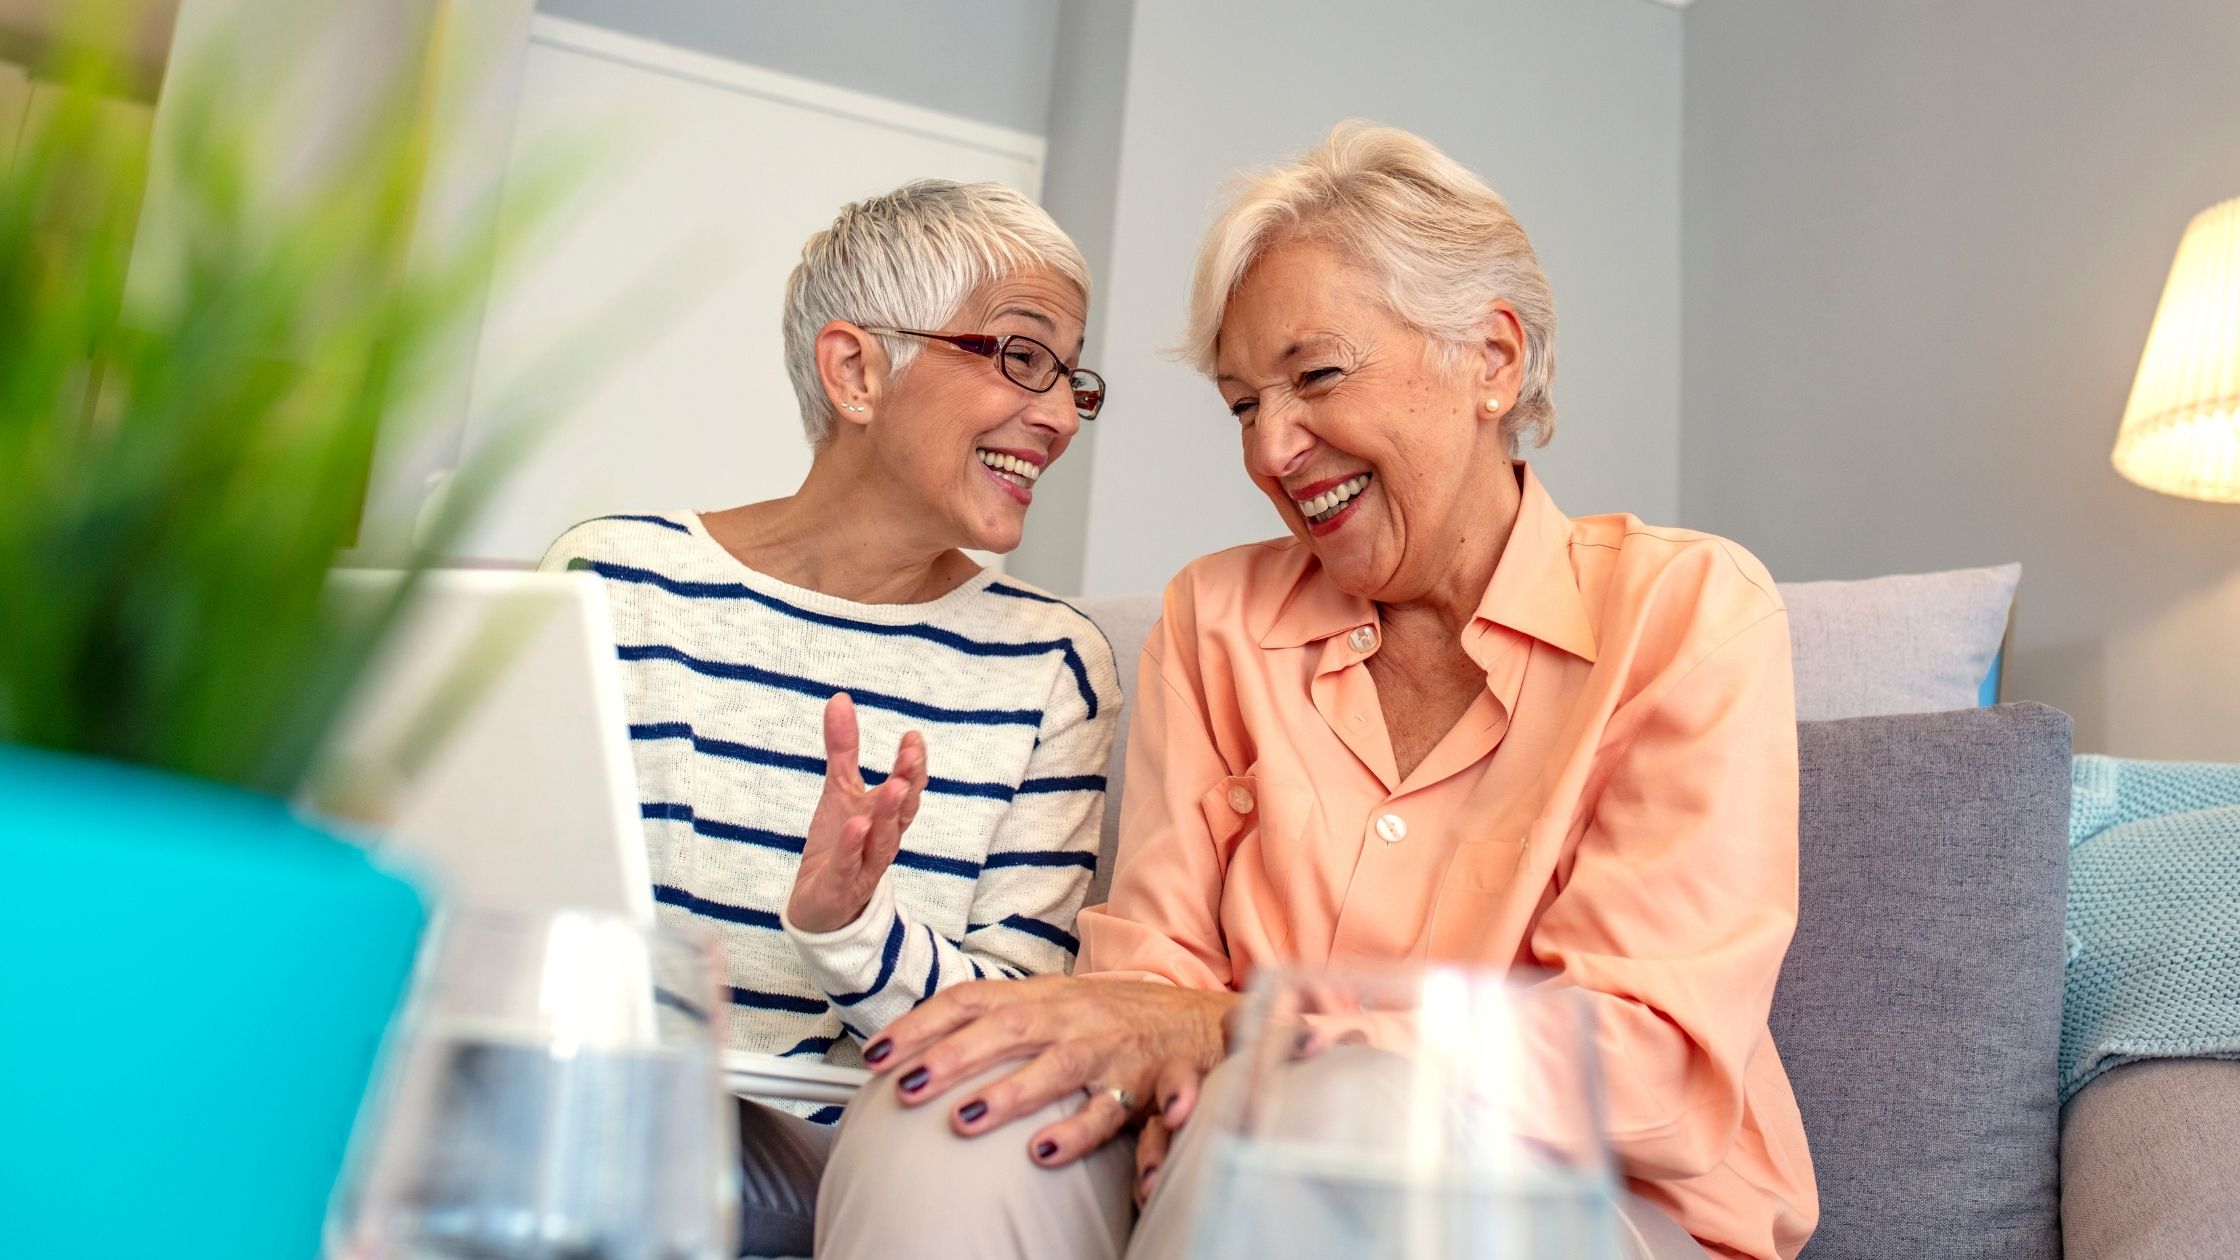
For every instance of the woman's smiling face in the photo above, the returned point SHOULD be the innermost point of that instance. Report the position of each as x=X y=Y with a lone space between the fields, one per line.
x=961 y=443
x=1373 y=445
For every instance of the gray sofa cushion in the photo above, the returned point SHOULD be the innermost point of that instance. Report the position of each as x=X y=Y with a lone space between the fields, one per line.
x=1126 y=621
x=2147 y=1158
x=1919 y=1010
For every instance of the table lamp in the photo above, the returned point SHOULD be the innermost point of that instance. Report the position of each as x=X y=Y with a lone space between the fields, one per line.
x=2181 y=431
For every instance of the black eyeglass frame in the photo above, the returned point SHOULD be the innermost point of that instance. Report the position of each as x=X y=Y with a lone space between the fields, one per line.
x=992 y=346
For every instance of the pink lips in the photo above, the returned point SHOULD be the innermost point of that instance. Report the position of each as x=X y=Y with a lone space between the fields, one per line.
x=1307 y=493
x=1304 y=493
x=1318 y=529
x=1037 y=458
x=1023 y=494
x=1019 y=492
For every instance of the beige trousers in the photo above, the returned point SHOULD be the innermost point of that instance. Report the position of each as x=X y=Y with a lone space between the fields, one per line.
x=902 y=1183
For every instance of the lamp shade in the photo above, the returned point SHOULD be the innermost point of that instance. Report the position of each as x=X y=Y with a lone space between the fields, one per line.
x=2181 y=431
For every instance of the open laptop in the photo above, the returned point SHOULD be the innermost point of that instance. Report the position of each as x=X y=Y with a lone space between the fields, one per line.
x=488 y=743
x=490 y=735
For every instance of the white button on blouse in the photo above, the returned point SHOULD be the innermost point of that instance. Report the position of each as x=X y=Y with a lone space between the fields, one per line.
x=1391 y=828
x=1240 y=799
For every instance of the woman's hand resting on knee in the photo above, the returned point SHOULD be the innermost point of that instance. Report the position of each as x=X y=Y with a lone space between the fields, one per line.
x=1066 y=1035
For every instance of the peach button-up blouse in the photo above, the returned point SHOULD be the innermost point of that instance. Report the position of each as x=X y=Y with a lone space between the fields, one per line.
x=1617 y=807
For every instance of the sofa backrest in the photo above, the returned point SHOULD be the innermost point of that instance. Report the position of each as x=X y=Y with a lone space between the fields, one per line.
x=1126 y=621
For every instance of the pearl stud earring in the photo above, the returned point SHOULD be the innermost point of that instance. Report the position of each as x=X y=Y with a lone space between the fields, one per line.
x=1493 y=404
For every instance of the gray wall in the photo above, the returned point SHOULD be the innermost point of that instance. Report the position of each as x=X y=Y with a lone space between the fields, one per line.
x=1924 y=240
x=984 y=59
x=1088 y=96
x=1569 y=109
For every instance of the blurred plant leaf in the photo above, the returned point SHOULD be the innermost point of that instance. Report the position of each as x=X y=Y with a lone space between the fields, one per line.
x=178 y=470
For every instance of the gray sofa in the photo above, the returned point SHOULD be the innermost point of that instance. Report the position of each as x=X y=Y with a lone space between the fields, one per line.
x=1919 y=1010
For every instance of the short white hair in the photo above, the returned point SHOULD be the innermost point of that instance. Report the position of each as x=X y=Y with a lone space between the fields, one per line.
x=909 y=259
x=1441 y=242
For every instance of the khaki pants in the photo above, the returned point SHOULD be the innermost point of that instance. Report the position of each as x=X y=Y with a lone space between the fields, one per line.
x=901 y=1183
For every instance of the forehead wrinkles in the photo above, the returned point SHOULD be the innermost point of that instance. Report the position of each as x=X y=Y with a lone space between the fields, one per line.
x=1052 y=297
x=1314 y=298
x=1286 y=352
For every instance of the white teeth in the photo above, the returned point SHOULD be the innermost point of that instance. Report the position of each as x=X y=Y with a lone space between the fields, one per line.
x=1011 y=468
x=1326 y=504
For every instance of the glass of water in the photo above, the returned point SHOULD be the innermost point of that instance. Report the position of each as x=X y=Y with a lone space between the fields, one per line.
x=553 y=1094
x=1409 y=1113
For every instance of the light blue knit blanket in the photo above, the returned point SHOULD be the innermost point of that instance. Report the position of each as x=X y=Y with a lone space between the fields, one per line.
x=2154 y=915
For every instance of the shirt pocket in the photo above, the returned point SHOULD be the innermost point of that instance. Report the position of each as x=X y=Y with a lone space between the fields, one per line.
x=1485 y=902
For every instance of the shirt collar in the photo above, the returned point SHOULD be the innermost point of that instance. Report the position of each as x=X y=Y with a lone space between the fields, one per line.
x=1316 y=609
x=1534 y=590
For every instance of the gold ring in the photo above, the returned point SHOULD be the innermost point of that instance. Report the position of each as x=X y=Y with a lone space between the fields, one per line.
x=1126 y=1100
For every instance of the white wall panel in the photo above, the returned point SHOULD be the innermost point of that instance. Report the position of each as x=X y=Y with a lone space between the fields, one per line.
x=676 y=258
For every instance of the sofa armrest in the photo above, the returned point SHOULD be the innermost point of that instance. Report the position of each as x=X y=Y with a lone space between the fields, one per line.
x=2147 y=1158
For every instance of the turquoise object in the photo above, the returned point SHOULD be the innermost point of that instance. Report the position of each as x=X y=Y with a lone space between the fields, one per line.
x=2153 y=926
x=195 y=988
x=1987 y=693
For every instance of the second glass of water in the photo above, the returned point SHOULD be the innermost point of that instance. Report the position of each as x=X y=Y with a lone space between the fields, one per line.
x=553 y=1095
x=1409 y=1113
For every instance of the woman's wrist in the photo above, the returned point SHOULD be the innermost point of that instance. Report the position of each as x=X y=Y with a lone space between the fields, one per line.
x=1209 y=1028
x=814 y=919
x=1225 y=1009
x=868 y=923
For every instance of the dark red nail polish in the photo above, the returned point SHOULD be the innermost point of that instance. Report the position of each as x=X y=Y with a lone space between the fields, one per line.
x=915 y=1080
x=972 y=1111
x=1045 y=1150
x=878 y=1050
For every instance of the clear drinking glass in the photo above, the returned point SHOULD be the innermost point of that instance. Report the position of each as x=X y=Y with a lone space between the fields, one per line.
x=553 y=1094
x=1409 y=1114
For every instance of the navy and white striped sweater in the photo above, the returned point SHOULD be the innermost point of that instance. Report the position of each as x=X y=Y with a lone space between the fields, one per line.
x=726 y=672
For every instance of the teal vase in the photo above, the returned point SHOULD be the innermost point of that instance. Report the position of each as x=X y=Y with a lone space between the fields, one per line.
x=193 y=987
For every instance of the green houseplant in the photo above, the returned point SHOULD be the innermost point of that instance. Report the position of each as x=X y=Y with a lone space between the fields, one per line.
x=198 y=980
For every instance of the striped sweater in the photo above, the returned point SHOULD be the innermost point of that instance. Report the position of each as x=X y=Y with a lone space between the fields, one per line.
x=726 y=672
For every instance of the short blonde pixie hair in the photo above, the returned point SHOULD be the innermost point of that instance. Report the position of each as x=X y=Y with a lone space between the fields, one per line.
x=1442 y=243
x=909 y=259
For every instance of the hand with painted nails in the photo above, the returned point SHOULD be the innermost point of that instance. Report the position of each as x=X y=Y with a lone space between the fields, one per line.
x=854 y=832
x=1171 y=1108
x=1335 y=1017
x=1068 y=1038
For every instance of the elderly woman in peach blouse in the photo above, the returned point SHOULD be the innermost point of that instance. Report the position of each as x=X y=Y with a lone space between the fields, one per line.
x=1441 y=721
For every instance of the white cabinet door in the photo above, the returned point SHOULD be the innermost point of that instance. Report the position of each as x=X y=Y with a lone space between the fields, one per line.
x=679 y=249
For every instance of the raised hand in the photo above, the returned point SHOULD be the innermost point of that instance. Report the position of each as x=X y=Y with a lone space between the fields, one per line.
x=854 y=832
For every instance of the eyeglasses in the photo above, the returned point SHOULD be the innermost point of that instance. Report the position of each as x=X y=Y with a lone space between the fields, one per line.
x=1024 y=362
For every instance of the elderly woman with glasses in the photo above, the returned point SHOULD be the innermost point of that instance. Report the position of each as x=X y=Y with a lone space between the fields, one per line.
x=1441 y=722
x=932 y=335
